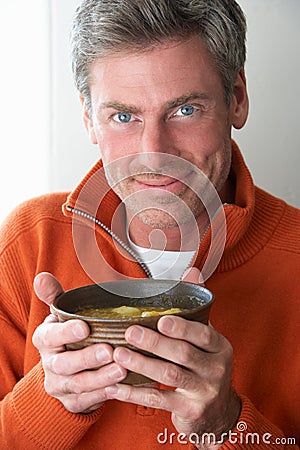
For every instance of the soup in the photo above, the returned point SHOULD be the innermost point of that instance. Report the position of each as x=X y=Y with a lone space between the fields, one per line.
x=126 y=312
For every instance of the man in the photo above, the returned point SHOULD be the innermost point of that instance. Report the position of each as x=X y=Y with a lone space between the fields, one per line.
x=162 y=84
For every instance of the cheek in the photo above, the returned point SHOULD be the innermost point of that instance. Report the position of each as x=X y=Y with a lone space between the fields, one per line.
x=201 y=144
x=209 y=148
x=114 y=145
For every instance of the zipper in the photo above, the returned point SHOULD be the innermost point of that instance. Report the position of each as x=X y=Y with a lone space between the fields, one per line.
x=116 y=238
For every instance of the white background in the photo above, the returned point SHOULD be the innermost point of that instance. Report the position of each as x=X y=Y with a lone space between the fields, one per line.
x=44 y=146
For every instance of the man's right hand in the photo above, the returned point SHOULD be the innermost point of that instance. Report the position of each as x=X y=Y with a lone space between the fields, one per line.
x=68 y=377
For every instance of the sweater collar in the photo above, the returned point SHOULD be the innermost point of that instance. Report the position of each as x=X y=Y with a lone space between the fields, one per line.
x=244 y=238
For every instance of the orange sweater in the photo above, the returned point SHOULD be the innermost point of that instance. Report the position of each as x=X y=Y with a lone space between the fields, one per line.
x=256 y=286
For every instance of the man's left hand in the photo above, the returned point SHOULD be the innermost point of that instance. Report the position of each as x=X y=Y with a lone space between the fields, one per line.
x=197 y=364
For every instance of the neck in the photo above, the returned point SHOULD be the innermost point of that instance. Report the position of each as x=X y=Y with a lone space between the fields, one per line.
x=184 y=238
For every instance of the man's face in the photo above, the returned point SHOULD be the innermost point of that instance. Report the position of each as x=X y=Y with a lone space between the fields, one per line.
x=162 y=107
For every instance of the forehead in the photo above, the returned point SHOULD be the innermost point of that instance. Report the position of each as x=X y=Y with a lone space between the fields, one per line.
x=157 y=75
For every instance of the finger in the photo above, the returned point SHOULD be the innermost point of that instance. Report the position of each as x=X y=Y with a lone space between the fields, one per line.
x=54 y=336
x=85 y=381
x=51 y=318
x=47 y=287
x=177 y=351
x=185 y=346
x=84 y=403
x=193 y=275
x=161 y=371
x=150 y=397
x=198 y=334
x=74 y=361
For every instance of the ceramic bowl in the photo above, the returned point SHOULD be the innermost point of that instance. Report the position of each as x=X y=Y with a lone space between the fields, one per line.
x=194 y=301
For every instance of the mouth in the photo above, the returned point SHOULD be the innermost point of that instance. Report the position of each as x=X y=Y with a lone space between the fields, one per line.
x=163 y=183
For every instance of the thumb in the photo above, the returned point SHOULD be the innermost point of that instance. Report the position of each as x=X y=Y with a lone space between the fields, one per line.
x=193 y=275
x=47 y=287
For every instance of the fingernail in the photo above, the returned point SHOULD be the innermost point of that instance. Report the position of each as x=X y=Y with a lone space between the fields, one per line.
x=167 y=324
x=123 y=355
x=136 y=334
x=102 y=355
x=116 y=373
x=79 y=332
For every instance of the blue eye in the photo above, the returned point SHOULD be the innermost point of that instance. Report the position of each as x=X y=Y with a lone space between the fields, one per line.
x=187 y=110
x=123 y=117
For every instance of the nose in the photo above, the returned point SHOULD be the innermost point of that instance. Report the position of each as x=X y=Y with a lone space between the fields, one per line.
x=155 y=144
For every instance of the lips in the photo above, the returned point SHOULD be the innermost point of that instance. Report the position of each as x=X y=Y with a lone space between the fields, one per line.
x=167 y=184
x=157 y=181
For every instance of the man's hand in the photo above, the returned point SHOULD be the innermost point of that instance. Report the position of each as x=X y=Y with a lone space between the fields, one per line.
x=68 y=377
x=197 y=363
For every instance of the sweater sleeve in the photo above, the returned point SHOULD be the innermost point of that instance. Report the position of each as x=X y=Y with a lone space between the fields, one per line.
x=253 y=432
x=33 y=420
x=29 y=418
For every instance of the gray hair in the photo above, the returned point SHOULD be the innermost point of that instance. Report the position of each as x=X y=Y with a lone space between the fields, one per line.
x=103 y=27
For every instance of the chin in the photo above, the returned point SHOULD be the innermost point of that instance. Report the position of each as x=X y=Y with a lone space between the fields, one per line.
x=157 y=219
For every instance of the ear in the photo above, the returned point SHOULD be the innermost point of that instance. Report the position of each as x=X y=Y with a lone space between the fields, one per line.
x=88 y=122
x=240 y=103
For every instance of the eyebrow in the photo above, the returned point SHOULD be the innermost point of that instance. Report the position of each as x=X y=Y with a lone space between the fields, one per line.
x=187 y=98
x=184 y=99
x=120 y=107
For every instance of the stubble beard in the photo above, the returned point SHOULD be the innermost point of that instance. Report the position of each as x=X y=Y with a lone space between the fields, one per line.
x=160 y=209
x=170 y=211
